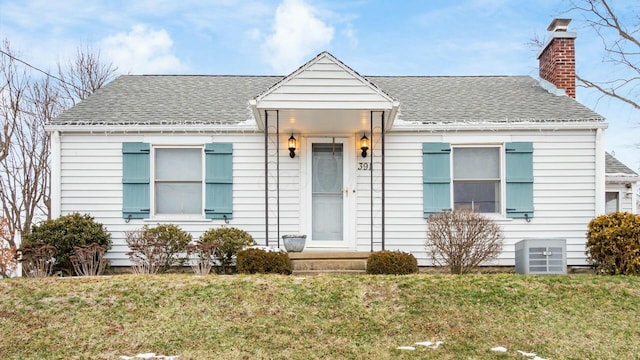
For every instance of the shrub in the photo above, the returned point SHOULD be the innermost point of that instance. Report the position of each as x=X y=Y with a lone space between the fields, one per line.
x=155 y=249
x=613 y=243
x=391 y=262
x=230 y=240
x=37 y=259
x=462 y=240
x=202 y=256
x=67 y=232
x=147 y=255
x=89 y=260
x=252 y=261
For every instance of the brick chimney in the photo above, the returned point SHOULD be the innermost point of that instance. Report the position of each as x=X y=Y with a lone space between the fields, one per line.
x=558 y=57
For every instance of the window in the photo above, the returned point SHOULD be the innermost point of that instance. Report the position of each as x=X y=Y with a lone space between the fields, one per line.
x=476 y=179
x=612 y=202
x=183 y=183
x=178 y=181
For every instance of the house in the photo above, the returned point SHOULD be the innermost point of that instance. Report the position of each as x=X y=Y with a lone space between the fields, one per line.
x=354 y=162
x=622 y=187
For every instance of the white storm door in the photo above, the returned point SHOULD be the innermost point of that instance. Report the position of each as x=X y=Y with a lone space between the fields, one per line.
x=328 y=192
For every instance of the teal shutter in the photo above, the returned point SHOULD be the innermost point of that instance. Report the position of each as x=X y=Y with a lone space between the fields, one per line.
x=519 y=179
x=218 y=181
x=436 y=175
x=135 y=180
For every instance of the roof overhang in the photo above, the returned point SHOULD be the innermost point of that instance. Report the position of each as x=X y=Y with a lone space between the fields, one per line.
x=621 y=178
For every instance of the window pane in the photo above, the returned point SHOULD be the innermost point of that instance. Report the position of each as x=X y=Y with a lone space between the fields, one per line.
x=479 y=196
x=476 y=163
x=178 y=181
x=179 y=164
x=327 y=217
x=178 y=198
x=611 y=199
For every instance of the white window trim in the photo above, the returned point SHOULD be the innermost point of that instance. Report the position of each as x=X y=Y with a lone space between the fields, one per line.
x=152 y=196
x=503 y=177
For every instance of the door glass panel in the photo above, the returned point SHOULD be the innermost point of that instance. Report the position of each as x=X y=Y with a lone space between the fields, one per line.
x=327 y=183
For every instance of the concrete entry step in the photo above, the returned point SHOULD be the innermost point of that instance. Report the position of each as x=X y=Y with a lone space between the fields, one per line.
x=309 y=263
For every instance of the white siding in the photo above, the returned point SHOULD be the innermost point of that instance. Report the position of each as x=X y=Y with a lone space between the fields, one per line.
x=564 y=187
x=91 y=182
x=564 y=191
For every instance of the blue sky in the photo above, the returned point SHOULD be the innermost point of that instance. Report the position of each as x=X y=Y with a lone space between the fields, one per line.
x=374 y=37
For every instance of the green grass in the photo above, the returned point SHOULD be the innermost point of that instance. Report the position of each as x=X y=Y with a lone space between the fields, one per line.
x=323 y=317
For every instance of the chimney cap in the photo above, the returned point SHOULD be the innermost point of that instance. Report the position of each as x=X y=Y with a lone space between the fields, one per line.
x=559 y=25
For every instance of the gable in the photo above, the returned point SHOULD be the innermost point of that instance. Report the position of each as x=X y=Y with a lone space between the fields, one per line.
x=324 y=83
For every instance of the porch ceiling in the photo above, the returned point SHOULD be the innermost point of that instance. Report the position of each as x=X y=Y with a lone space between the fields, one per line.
x=323 y=121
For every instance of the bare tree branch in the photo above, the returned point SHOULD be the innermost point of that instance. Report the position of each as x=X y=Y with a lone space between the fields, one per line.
x=84 y=75
x=609 y=92
x=26 y=104
x=621 y=46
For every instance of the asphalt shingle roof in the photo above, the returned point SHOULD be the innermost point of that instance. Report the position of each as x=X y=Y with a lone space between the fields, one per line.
x=169 y=99
x=615 y=166
x=218 y=99
x=448 y=99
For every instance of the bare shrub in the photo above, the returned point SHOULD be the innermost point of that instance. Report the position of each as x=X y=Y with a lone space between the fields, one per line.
x=37 y=259
x=89 y=260
x=462 y=240
x=147 y=255
x=202 y=256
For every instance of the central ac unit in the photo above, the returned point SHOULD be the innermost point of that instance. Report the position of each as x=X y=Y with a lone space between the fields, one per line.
x=541 y=256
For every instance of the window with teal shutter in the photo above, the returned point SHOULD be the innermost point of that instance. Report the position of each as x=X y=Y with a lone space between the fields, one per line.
x=135 y=180
x=218 y=181
x=436 y=175
x=519 y=179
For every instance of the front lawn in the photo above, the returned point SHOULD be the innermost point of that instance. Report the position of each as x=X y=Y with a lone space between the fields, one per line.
x=322 y=317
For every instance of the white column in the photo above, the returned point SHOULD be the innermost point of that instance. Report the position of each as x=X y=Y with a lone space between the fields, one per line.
x=600 y=173
x=55 y=175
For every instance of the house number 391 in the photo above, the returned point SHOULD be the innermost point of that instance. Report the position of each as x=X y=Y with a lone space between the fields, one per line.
x=364 y=166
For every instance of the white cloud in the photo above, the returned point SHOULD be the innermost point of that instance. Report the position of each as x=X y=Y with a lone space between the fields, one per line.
x=350 y=34
x=142 y=51
x=297 y=34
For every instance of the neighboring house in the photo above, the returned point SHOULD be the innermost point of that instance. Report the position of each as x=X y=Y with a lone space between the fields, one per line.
x=622 y=187
x=354 y=162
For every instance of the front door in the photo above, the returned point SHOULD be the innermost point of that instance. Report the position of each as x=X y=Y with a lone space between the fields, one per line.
x=329 y=175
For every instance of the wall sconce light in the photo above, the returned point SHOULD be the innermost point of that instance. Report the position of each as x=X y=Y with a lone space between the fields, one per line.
x=292 y=146
x=364 y=145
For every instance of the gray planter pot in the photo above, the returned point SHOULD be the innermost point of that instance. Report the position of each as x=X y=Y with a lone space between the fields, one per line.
x=294 y=243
